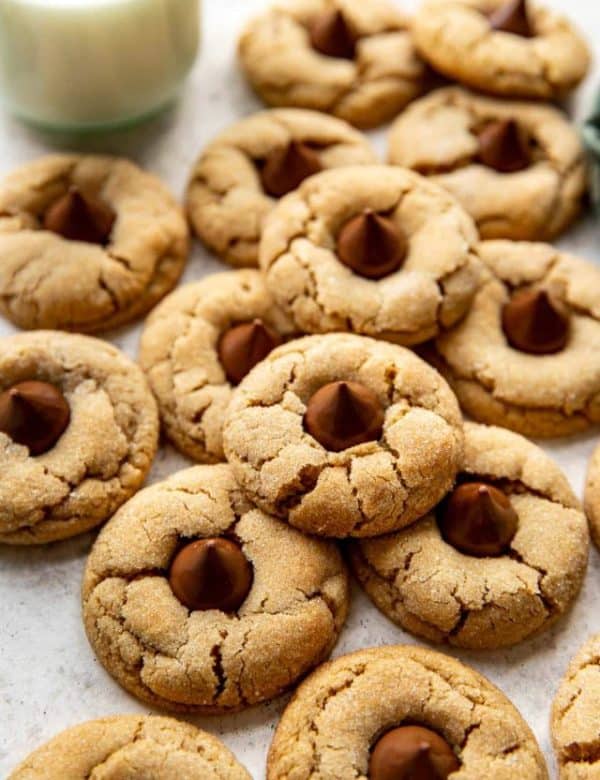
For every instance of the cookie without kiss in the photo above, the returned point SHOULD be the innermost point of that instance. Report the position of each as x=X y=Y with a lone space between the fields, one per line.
x=527 y=356
x=78 y=434
x=349 y=58
x=198 y=344
x=341 y=715
x=484 y=570
x=195 y=601
x=517 y=168
x=256 y=161
x=86 y=243
x=378 y=251
x=513 y=48
x=341 y=435
x=131 y=746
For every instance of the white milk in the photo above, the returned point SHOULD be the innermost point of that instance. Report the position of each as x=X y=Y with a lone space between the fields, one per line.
x=88 y=63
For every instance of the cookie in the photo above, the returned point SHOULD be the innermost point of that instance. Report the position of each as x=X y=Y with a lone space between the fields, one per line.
x=376 y=250
x=357 y=716
x=128 y=747
x=78 y=434
x=517 y=168
x=195 y=601
x=256 y=161
x=513 y=48
x=501 y=558
x=341 y=435
x=196 y=347
x=592 y=496
x=87 y=243
x=527 y=356
x=576 y=716
x=349 y=58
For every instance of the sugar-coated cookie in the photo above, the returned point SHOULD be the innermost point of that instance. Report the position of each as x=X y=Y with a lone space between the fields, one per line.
x=517 y=168
x=527 y=356
x=386 y=711
x=341 y=435
x=514 y=48
x=349 y=58
x=197 y=346
x=375 y=250
x=501 y=558
x=87 y=243
x=576 y=716
x=125 y=747
x=196 y=601
x=78 y=434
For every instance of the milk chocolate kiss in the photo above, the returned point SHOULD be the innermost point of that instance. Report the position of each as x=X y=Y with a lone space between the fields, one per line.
x=80 y=216
x=343 y=414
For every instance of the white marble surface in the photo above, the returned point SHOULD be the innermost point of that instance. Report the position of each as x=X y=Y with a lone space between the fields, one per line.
x=49 y=678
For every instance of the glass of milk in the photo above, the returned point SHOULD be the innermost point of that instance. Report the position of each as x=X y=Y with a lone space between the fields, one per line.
x=88 y=64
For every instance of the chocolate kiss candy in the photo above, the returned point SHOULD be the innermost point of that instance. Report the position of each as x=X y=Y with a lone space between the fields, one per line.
x=211 y=574
x=243 y=346
x=512 y=18
x=371 y=245
x=286 y=168
x=478 y=519
x=34 y=414
x=504 y=147
x=412 y=753
x=343 y=414
x=533 y=323
x=78 y=216
x=331 y=35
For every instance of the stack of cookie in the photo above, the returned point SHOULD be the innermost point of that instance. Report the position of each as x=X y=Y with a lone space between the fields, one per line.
x=319 y=387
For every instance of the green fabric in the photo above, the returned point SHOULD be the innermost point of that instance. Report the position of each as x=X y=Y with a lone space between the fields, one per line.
x=591 y=137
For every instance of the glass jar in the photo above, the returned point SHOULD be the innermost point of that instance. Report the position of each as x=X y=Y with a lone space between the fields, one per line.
x=89 y=64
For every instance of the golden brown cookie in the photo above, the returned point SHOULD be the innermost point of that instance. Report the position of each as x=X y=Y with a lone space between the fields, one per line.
x=195 y=601
x=198 y=344
x=78 y=434
x=339 y=714
x=527 y=356
x=341 y=435
x=256 y=161
x=349 y=58
x=87 y=243
x=517 y=168
x=515 y=48
x=376 y=250
x=592 y=496
x=459 y=575
x=576 y=716
x=131 y=747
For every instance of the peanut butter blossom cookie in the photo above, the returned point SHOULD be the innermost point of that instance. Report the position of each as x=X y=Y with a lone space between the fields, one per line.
x=86 y=243
x=243 y=172
x=342 y=435
x=517 y=168
x=527 y=356
x=198 y=345
x=196 y=601
x=576 y=716
x=592 y=496
x=78 y=433
x=504 y=47
x=402 y=712
x=128 y=747
x=375 y=250
x=345 y=57
x=500 y=558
